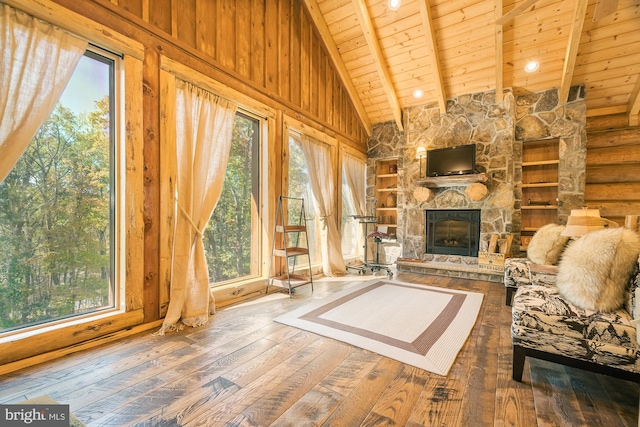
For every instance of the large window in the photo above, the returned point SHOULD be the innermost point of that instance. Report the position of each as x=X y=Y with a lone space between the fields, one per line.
x=57 y=207
x=299 y=186
x=232 y=238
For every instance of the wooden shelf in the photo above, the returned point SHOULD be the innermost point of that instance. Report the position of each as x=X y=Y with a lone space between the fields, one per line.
x=451 y=180
x=290 y=252
x=539 y=183
x=387 y=188
x=290 y=228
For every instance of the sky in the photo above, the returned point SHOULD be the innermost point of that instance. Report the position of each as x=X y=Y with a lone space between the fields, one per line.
x=89 y=83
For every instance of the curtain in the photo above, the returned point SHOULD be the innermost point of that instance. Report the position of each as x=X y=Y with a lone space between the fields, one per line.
x=38 y=60
x=354 y=172
x=204 y=129
x=322 y=177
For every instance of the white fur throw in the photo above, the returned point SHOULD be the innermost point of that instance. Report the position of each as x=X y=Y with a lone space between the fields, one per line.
x=547 y=244
x=595 y=270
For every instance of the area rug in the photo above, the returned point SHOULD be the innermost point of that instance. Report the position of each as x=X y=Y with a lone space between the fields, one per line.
x=419 y=325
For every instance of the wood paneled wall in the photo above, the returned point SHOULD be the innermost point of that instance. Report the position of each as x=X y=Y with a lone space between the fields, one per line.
x=613 y=167
x=267 y=50
x=268 y=44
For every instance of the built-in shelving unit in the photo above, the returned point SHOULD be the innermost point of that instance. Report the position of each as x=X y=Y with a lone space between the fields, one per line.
x=540 y=161
x=387 y=194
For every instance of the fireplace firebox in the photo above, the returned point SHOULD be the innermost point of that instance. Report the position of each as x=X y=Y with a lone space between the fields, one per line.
x=453 y=232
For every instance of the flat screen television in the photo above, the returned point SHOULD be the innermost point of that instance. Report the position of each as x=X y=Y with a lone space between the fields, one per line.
x=448 y=161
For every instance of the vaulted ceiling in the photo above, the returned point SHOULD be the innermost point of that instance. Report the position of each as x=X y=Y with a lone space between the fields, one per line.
x=448 y=48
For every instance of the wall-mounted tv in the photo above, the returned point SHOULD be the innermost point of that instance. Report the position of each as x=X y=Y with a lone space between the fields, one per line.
x=448 y=161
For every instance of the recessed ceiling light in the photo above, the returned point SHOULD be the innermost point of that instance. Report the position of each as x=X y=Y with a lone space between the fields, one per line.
x=531 y=66
x=418 y=93
x=394 y=4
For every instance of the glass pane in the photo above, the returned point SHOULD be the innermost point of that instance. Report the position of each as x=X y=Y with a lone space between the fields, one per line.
x=55 y=209
x=299 y=186
x=349 y=224
x=231 y=239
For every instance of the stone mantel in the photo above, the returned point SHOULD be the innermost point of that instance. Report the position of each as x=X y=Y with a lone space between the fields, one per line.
x=451 y=180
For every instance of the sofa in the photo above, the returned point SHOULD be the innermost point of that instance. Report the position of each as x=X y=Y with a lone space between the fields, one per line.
x=550 y=323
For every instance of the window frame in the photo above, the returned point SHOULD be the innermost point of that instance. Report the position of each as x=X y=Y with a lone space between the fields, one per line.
x=231 y=290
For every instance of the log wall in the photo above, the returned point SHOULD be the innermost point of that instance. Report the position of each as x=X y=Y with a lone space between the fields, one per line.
x=266 y=50
x=613 y=167
x=270 y=45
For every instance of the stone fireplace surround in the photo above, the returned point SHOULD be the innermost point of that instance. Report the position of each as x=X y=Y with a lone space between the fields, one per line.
x=498 y=130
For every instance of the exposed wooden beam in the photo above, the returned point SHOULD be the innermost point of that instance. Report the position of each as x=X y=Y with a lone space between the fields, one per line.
x=579 y=12
x=381 y=64
x=334 y=54
x=634 y=104
x=499 y=53
x=430 y=35
x=514 y=12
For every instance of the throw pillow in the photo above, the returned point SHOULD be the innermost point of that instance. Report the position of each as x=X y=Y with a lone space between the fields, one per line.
x=595 y=270
x=547 y=244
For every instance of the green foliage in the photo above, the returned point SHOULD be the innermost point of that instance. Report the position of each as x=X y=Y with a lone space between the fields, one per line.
x=228 y=237
x=55 y=222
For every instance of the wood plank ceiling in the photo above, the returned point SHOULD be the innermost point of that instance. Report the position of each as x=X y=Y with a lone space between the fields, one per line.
x=447 y=48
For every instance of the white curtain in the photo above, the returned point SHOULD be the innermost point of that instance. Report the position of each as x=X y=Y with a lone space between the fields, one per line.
x=321 y=177
x=38 y=60
x=204 y=129
x=354 y=173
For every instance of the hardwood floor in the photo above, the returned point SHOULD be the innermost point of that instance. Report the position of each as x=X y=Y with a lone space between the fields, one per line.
x=243 y=369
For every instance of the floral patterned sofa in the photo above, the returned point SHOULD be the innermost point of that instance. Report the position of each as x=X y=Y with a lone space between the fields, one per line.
x=547 y=326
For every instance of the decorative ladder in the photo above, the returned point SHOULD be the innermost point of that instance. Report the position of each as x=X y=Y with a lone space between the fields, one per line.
x=290 y=226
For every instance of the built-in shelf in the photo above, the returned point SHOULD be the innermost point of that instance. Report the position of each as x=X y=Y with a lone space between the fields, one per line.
x=540 y=161
x=451 y=180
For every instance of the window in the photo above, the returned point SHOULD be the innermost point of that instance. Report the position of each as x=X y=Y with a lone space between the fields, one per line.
x=349 y=225
x=299 y=186
x=232 y=238
x=57 y=207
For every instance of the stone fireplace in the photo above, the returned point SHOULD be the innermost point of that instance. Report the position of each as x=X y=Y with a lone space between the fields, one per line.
x=498 y=129
x=452 y=231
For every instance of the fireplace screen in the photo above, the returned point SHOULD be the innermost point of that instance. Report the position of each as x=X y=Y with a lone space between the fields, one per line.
x=453 y=232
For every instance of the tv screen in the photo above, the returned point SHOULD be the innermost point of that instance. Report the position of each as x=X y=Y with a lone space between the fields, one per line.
x=458 y=160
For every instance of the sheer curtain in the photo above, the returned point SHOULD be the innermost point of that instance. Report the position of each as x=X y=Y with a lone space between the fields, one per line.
x=204 y=129
x=38 y=60
x=321 y=176
x=354 y=172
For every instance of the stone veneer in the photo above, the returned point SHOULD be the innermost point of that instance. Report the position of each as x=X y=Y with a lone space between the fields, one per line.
x=498 y=130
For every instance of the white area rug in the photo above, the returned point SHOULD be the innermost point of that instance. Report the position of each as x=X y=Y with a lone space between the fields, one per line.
x=419 y=325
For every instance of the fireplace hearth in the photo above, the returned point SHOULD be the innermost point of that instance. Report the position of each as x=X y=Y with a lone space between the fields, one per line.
x=453 y=232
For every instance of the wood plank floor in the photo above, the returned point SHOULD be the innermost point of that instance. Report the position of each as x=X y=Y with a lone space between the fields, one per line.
x=243 y=369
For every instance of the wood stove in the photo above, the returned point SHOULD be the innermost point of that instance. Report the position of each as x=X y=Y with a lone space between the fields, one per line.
x=453 y=232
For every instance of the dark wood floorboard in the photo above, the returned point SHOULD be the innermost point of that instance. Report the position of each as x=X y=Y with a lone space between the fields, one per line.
x=244 y=369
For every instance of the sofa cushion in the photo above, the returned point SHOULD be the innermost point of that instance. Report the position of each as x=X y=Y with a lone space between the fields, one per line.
x=543 y=320
x=547 y=244
x=595 y=270
x=516 y=272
